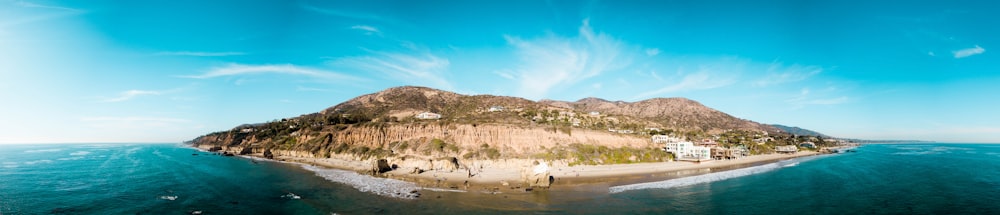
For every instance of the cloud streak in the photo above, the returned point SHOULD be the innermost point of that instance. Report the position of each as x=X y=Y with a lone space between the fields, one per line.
x=963 y=53
x=127 y=95
x=804 y=99
x=556 y=62
x=348 y=14
x=240 y=69
x=36 y=5
x=133 y=119
x=778 y=74
x=369 y=30
x=200 y=54
x=419 y=69
x=697 y=81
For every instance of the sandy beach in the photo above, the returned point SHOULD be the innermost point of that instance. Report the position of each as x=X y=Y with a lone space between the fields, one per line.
x=507 y=173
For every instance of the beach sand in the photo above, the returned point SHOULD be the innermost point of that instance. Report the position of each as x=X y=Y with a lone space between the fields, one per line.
x=492 y=175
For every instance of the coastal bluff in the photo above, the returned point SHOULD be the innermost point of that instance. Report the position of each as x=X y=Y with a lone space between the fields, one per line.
x=413 y=130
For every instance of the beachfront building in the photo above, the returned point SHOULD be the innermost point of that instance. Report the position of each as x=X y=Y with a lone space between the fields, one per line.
x=736 y=152
x=698 y=154
x=428 y=115
x=683 y=150
x=786 y=149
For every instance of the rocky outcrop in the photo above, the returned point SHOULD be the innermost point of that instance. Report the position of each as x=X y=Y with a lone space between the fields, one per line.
x=537 y=175
x=380 y=166
x=268 y=154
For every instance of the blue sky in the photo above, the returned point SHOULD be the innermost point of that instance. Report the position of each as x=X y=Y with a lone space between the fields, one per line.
x=168 y=71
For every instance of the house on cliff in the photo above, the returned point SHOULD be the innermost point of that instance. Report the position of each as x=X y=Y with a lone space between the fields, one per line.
x=786 y=149
x=428 y=115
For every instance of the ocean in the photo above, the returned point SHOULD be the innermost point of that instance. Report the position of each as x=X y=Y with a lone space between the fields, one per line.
x=174 y=179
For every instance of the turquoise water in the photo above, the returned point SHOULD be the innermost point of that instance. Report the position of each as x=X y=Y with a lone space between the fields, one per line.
x=132 y=179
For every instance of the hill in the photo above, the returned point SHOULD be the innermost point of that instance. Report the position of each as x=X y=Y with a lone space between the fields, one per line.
x=419 y=124
x=799 y=131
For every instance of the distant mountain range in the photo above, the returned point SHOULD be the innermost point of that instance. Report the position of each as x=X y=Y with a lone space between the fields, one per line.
x=799 y=131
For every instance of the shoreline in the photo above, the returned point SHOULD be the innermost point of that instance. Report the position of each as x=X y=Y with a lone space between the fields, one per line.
x=496 y=177
x=504 y=175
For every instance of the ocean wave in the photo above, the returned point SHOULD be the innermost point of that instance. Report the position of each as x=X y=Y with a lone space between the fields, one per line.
x=70 y=158
x=79 y=153
x=443 y=190
x=37 y=162
x=9 y=164
x=706 y=178
x=42 y=150
x=370 y=184
x=930 y=151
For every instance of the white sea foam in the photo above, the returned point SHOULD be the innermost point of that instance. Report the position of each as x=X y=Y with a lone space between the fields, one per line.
x=37 y=162
x=9 y=164
x=710 y=177
x=42 y=150
x=365 y=183
x=443 y=190
x=70 y=158
x=79 y=153
x=929 y=151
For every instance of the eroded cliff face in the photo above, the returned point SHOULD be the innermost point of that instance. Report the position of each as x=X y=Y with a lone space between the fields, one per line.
x=418 y=139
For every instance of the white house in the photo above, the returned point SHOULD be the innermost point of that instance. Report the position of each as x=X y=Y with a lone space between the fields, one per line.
x=496 y=108
x=428 y=115
x=595 y=113
x=683 y=150
x=679 y=149
x=665 y=139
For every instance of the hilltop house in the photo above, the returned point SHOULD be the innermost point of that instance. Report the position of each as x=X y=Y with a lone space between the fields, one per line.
x=496 y=108
x=595 y=113
x=786 y=149
x=428 y=115
x=810 y=145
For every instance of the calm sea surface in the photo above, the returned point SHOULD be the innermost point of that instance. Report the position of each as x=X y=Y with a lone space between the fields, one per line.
x=173 y=179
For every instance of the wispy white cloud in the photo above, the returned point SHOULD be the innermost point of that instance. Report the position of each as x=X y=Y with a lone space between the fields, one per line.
x=138 y=124
x=652 y=52
x=505 y=74
x=702 y=80
x=962 y=53
x=240 y=69
x=556 y=62
x=37 y=5
x=805 y=98
x=778 y=74
x=655 y=76
x=421 y=68
x=369 y=30
x=132 y=94
x=348 y=14
x=200 y=54
x=828 y=101
x=133 y=119
x=47 y=12
x=311 y=89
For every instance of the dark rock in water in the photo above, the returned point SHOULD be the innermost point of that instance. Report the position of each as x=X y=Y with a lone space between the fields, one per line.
x=268 y=154
x=246 y=151
x=194 y=154
x=227 y=154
